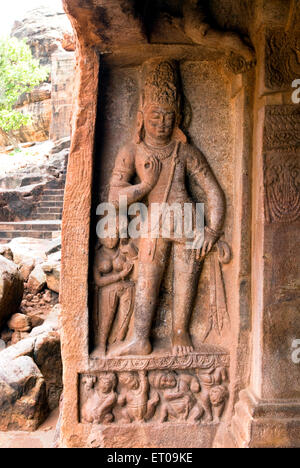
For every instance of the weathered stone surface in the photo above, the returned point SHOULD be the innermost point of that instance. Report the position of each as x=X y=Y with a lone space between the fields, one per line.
x=47 y=356
x=62 y=78
x=44 y=30
x=23 y=401
x=32 y=374
x=27 y=249
x=52 y=269
x=37 y=280
x=6 y=252
x=11 y=289
x=19 y=322
x=145 y=390
x=55 y=246
x=19 y=205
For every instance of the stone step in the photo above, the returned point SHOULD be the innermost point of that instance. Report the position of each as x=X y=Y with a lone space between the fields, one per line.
x=50 y=204
x=47 y=217
x=54 y=192
x=30 y=226
x=52 y=198
x=43 y=210
x=7 y=236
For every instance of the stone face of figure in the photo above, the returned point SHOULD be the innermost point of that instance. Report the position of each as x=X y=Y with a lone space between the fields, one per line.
x=165 y=164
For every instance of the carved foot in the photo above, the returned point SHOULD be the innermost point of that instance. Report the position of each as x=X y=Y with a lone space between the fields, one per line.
x=135 y=347
x=182 y=343
x=99 y=352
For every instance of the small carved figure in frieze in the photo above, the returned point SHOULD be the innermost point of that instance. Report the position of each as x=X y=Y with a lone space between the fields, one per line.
x=218 y=397
x=134 y=397
x=115 y=289
x=214 y=394
x=89 y=398
x=107 y=396
x=165 y=165
x=99 y=398
x=177 y=396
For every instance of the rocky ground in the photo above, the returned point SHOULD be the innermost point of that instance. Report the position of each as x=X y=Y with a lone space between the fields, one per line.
x=30 y=358
x=44 y=437
x=32 y=178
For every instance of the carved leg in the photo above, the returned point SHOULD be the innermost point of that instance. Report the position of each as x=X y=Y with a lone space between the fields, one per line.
x=107 y=306
x=152 y=263
x=186 y=279
x=205 y=398
x=196 y=414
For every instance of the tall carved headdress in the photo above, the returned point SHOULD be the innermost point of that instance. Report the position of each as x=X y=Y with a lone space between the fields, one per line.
x=161 y=86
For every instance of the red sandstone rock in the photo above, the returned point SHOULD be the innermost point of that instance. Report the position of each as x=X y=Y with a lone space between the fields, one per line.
x=11 y=289
x=20 y=323
x=259 y=178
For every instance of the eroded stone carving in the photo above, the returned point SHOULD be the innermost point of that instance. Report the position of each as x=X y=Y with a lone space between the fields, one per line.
x=241 y=57
x=98 y=398
x=282 y=124
x=115 y=290
x=282 y=163
x=282 y=187
x=135 y=379
x=162 y=160
x=183 y=395
x=282 y=58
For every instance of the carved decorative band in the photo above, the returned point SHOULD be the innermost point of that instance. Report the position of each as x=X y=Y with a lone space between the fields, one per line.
x=192 y=361
x=282 y=128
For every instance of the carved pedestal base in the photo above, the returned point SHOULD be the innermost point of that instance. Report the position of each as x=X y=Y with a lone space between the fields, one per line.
x=154 y=401
x=266 y=424
x=150 y=435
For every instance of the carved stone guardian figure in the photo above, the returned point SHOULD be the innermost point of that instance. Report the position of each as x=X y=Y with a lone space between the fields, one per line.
x=166 y=167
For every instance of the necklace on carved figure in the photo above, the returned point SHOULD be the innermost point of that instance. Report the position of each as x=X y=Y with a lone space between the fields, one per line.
x=161 y=153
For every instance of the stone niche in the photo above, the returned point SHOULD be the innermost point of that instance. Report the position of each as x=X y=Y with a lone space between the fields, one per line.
x=157 y=342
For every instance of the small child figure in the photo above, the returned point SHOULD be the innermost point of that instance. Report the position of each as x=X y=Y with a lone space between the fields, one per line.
x=107 y=398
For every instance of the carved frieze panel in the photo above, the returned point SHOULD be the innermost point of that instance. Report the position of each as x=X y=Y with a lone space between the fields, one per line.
x=282 y=163
x=282 y=58
x=282 y=128
x=282 y=187
x=188 y=389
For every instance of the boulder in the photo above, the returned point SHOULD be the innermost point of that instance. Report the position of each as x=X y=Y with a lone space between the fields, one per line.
x=27 y=266
x=18 y=336
x=52 y=270
x=23 y=398
x=44 y=29
x=55 y=246
x=37 y=280
x=47 y=356
x=37 y=360
x=20 y=322
x=6 y=252
x=61 y=145
x=27 y=250
x=11 y=289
